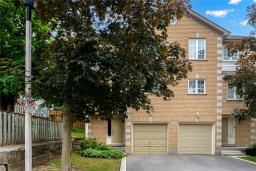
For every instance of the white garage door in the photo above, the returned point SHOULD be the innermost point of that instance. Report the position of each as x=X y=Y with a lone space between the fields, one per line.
x=149 y=139
x=195 y=139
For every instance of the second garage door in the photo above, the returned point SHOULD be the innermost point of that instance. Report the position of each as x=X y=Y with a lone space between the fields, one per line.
x=195 y=139
x=149 y=139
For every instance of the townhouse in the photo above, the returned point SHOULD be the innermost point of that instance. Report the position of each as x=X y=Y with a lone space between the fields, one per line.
x=198 y=120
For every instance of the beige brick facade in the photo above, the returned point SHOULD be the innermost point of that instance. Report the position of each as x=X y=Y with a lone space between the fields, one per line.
x=185 y=108
x=207 y=108
x=99 y=129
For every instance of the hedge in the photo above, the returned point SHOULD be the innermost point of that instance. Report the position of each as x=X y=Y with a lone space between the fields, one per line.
x=93 y=153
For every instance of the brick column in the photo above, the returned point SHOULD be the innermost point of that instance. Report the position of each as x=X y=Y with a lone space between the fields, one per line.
x=218 y=125
x=128 y=135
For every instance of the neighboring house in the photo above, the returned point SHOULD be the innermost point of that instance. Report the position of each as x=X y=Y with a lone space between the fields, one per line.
x=198 y=120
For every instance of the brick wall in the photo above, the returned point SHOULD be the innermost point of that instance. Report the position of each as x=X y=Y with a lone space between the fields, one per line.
x=184 y=107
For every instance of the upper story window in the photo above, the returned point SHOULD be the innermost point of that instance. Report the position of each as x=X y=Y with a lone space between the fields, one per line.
x=233 y=93
x=196 y=87
x=197 y=49
x=229 y=57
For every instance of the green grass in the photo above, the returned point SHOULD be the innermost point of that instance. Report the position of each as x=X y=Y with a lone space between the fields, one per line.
x=250 y=158
x=89 y=164
x=77 y=133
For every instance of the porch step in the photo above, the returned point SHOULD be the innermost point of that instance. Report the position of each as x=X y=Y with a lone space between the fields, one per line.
x=233 y=151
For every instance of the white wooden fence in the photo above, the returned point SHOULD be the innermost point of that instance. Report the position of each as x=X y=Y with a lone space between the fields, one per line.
x=42 y=112
x=12 y=129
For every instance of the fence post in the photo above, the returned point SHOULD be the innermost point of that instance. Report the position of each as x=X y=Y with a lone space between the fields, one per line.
x=4 y=128
x=1 y=128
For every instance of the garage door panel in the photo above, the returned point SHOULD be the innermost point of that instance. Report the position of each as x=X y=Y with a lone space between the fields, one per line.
x=195 y=139
x=137 y=128
x=153 y=135
x=145 y=142
x=157 y=150
x=194 y=134
x=149 y=139
x=200 y=144
x=136 y=142
x=195 y=151
x=136 y=135
x=196 y=128
x=158 y=142
x=155 y=128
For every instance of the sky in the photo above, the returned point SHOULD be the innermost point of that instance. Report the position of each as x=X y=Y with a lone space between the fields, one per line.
x=229 y=14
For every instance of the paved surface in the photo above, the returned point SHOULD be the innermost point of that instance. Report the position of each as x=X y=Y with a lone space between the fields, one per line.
x=186 y=163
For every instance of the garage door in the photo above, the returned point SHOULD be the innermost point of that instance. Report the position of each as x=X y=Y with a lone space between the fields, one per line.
x=149 y=139
x=195 y=139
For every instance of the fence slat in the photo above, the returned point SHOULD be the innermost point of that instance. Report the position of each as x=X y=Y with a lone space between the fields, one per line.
x=12 y=129
x=1 y=128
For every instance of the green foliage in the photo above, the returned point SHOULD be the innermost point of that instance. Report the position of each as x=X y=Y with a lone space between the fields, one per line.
x=107 y=54
x=77 y=133
x=245 y=79
x=245 y=76
x=251 y=150
x=102 y=147
x=12 y=45
x=88 y=143
x=102 y=153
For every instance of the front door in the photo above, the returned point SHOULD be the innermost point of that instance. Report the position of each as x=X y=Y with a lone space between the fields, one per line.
x=117 y=131
x=231 y=130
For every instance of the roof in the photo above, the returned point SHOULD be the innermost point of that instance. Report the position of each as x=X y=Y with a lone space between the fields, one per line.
x=236 y=37
x=208 y=22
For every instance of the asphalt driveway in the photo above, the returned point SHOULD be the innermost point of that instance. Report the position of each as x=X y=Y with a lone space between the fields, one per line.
x=186 y=163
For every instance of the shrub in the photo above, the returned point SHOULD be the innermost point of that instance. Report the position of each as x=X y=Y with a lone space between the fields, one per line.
x=102 y=147
x=102 y=153
x=88 y=143
x=251 y=150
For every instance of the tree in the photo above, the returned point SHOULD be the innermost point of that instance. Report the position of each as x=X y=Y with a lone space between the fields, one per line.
x=105 y=55
x=12 y=45
x=245 y=76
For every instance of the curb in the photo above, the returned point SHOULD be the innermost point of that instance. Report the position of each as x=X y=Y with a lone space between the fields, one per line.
x=123 y=164
x=238 y=157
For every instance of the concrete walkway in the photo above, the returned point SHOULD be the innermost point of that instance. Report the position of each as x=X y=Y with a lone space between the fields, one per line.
x=186 y=163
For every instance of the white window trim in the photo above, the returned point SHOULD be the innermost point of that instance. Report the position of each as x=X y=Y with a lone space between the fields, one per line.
x=196 y=59
x=197 y=86
x=235 y=95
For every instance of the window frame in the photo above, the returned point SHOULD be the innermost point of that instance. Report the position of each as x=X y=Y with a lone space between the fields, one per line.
x=197 y=47
x=230 y=57
x=235 y=94
x=196 y=86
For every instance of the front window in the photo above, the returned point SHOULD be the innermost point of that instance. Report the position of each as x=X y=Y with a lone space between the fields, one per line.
x=233 y=93
x=196 y=87
x=230 y=56
x=197 y=49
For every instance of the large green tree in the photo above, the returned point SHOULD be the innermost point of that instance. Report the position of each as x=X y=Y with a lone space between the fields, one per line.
x=105 y=56
x=12 y=45
x=245 y=76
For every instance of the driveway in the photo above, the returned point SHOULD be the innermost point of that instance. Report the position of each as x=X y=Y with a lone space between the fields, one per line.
x=186 y=163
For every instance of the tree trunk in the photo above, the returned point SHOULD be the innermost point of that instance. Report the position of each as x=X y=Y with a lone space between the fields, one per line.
x=66 y=139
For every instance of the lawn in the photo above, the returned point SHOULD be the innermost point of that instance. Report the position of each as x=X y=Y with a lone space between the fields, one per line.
x=80 y=163
x=77 y=133
x=250 y=158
